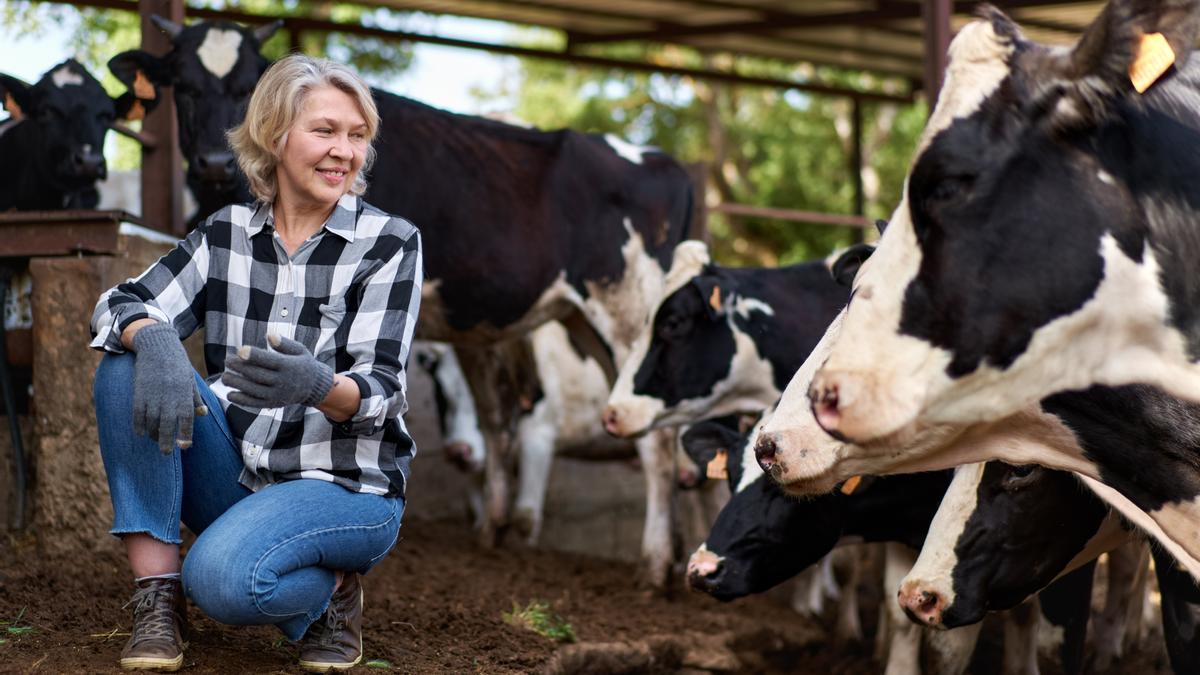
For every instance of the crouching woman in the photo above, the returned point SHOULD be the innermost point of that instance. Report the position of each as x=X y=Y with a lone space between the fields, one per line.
x=289 y=461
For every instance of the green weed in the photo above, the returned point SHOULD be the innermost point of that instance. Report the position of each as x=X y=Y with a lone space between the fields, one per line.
x=539 y=618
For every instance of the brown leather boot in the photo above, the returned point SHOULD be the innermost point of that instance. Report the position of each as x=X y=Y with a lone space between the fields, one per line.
x=334 y=642
x=159 y=626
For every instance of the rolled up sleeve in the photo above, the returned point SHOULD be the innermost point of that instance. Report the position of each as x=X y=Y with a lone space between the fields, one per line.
x=381 y=334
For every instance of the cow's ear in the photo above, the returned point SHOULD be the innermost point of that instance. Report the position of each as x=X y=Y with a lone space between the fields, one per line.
x=130 y=108
x=704 y=441
x=711 y=294
x=880 y=225
x=265 y=31
x=16 y=96
x=141 y=73
x=846 y=266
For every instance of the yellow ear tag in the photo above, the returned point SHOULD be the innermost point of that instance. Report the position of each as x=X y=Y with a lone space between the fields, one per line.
x=11 y=106
x=714 y=300
x=1154 y=57
x=718 y=467
x=136 y=112
x=851 y=485
x=142 y=87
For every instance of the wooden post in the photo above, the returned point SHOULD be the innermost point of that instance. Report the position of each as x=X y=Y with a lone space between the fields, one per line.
x=162 y=166
x=856 y=164
x=935 y=15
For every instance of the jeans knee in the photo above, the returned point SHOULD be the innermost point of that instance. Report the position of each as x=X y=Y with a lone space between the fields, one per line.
x=221 y=592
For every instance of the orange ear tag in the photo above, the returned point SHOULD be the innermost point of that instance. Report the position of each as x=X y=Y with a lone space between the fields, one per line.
x=851 y=485
x=718 y=467
x=714 y=300
x=11 y=106
x=142 y=87
x=136 y=112
x=1154 y=57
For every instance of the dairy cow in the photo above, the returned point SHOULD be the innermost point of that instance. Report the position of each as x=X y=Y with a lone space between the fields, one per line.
x=1046 y=238
x=53 y=139
x=520 y=226
x=724 y=340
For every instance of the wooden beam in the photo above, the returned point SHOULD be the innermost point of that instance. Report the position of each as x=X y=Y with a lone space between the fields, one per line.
x=936 y=16
x=292 y=23
x=162 y=163
x=792 y=215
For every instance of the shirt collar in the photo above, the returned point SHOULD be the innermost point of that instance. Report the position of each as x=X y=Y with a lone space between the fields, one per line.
x=341 y=221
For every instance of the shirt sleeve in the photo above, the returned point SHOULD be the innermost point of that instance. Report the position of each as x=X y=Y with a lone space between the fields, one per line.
x=381 y=333
x=169 y=291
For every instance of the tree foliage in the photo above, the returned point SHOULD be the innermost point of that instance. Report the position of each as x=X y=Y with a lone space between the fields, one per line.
x=761 y=146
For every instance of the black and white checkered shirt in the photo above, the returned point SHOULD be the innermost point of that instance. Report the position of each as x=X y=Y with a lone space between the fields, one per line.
x=350 y=293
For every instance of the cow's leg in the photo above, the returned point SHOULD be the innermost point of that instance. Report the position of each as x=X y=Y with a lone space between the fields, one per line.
x=808 y=598
x=535 y=440
x=657 y=453
x=949 y=651
x=499 y=377
x=1111 y=626
x=849 y=626
x=1021 y=639
x=904 y=645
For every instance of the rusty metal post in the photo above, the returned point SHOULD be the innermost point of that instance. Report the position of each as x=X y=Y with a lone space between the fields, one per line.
x=162 y=166
x=856 y=164
x=935 y=19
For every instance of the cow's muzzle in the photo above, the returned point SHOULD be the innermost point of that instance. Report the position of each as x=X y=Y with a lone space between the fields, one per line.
x=216 y=167
x=88 y=164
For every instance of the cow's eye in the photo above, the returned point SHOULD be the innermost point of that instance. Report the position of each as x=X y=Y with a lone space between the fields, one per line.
x=951 y=188
x=675 y=327
x=1021 y=476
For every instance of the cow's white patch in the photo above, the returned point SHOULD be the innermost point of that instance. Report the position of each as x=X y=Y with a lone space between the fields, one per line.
x=66 y=76
x=935 y=565
x=618 y=309
x=742 y=306
x=1149 y=525
x=1105 y=177
x=626 y=149
x=751 y=471
x=219 y=51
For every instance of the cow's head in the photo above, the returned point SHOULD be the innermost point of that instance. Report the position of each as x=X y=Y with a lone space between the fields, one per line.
x=462 y=440
x=1016 y=264
x=1002 y=534
x=69 y=113
x=762 y=537
x=213 y=68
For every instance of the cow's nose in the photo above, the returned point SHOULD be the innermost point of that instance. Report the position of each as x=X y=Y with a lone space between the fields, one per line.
x=824 y=396
x=612 y=421
x=216 y=166
x=764 y=451
x=921 y=604
x=89 y=164
x=459 y=454
x=703 y=571
x=687 y=479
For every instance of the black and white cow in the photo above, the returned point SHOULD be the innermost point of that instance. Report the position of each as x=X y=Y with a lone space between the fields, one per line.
x=212 y=68
x=1047 y=237
x=724 y=340
x=520 y=226
x=53 y=140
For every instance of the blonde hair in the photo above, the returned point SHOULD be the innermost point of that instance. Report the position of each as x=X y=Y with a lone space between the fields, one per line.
x=276 y=102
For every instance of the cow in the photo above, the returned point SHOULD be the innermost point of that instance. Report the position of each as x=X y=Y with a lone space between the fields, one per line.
x=53 y=139
x=520 y=226
x=764 y=537
x=1046 y=238
x=724 y=340
x=1135 y=445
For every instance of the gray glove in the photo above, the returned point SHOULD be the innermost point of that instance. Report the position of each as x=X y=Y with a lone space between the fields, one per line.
x=282 y=375
x=165 y=398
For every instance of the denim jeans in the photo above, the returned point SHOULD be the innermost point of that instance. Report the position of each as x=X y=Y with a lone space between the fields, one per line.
x=265 y=557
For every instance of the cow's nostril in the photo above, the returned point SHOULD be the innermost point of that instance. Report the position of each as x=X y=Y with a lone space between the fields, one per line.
x=764 y=451
x=612 y=420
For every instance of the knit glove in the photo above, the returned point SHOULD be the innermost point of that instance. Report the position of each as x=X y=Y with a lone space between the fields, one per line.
x=165 y=397
x=282 y=375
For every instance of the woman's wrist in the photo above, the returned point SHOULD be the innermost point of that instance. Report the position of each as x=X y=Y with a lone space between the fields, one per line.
x=343 y=399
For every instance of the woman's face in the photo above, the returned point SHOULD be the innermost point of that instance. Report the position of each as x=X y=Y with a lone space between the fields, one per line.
x=325 y=149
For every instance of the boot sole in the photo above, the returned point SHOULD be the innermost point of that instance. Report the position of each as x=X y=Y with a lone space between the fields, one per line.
x=325 y=666
x=149 y=663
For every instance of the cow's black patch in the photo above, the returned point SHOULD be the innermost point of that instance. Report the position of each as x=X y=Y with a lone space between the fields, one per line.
x=1180 y=612
x=692 y=347
x=1146 y=442
x=1028 y=523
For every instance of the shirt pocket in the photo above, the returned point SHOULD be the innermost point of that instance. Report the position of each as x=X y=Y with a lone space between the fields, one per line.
x=333 y=317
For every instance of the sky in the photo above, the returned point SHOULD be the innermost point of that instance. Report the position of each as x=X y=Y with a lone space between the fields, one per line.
x=440 y=76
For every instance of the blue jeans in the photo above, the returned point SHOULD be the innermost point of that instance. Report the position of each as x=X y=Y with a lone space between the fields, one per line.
x=266 y=557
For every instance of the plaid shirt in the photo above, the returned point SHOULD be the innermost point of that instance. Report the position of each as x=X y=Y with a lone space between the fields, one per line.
x=350 y=293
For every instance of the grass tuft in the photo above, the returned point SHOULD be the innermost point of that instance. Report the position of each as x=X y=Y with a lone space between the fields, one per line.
x=379 y=663
x=539 y=618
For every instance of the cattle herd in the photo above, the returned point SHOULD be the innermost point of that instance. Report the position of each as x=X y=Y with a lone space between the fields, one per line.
x=1002 y=389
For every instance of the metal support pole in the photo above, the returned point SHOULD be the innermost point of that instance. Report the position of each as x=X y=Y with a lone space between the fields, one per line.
x=856 y=164
x=935 y=17
x=20 y=473
x=162 y=165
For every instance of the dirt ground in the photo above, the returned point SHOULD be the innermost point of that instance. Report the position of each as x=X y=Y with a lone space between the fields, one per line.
x=437 y=605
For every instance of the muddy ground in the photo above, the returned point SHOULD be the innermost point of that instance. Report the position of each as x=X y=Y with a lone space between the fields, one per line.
x=437 y=605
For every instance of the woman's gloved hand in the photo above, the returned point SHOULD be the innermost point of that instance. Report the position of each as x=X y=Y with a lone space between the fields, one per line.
x=282 y=375
x=165 y=398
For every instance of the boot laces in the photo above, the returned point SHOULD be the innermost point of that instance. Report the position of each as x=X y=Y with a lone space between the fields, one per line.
x=153 y=615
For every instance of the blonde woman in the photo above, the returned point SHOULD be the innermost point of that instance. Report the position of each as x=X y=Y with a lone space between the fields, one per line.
x=289 y=461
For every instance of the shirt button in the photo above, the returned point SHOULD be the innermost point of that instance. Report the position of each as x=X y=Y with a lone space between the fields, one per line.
x=283 y=312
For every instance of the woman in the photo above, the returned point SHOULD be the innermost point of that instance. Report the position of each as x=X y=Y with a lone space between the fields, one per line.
x=292 y=471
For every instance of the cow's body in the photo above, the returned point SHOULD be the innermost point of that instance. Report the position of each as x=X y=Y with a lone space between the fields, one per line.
x=519 y=226
x=1046 y=241
x=53 y=141
x=722 y=341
